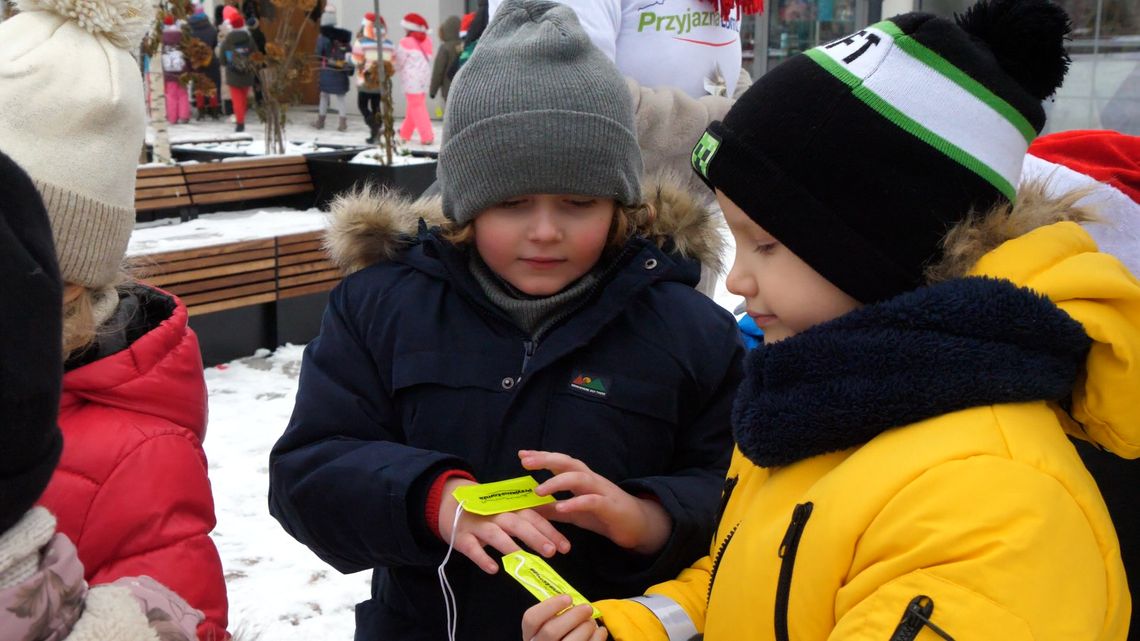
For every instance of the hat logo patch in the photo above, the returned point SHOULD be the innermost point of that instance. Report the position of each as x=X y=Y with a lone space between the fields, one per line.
x=704 y=151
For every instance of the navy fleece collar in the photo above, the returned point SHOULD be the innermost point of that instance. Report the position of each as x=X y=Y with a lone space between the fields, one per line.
x=959 y=344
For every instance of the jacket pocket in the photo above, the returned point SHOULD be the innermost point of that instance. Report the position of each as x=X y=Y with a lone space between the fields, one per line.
x=450 y=402
x=788 y=548
x=631 y=428
x=915 y=617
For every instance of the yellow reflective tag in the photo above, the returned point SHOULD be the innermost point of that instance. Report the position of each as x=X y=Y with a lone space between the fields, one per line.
x=500 y=496
x=541 y=580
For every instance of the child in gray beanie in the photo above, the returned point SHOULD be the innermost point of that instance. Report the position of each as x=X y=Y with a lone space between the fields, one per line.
x=539 y=318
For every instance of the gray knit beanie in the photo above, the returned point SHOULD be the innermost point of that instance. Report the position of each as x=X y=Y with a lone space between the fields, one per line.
x=538 y=109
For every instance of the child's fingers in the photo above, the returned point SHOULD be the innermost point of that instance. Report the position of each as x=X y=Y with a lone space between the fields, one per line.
x=601 y=634
x=574 y=624
x=584 y=632
x=521 y=528
x=469 y=546
x=553 y=461
x=493 y=535
x=537 y=616
x=576 y=482
x=547 y=529
x=587 y=503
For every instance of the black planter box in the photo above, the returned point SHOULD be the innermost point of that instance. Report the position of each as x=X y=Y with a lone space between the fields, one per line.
x=332 y=176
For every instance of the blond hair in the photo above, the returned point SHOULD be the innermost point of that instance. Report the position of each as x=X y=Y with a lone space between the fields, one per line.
x=977 y=235
x=81 y=328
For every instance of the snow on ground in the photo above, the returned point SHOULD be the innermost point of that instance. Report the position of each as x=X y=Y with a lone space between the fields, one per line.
x=278 y=589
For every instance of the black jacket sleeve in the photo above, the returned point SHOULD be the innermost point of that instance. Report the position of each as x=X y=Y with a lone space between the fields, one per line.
x=340 y=479
x=704 y=447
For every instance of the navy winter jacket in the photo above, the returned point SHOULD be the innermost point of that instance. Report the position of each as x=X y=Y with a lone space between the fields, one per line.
x=335 y=69
x=416 y=372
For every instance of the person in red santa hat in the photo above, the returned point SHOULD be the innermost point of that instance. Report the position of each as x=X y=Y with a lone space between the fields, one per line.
x=413 y=56
x=1105 y=165
x=369 y=85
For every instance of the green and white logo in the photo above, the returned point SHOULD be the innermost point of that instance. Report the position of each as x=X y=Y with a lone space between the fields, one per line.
x=704 y=151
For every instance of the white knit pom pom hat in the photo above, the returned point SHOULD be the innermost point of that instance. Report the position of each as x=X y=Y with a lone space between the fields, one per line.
x=72 y=116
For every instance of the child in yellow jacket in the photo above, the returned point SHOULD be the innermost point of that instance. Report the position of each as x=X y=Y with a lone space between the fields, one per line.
x=933 y=336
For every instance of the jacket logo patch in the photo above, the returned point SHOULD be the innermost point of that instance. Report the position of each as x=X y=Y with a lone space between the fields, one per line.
x=593 y=385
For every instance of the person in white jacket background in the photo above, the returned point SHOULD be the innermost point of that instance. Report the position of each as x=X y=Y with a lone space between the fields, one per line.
x=693 y=45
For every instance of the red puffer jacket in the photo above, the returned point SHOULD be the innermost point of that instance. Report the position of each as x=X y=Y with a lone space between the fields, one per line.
x=131 y=488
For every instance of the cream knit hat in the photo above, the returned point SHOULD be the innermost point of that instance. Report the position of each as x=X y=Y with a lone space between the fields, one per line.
x=72 y=116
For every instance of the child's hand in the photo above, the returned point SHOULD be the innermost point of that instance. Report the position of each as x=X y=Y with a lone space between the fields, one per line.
x=475 y=532
x=599 y=505
x=543 y=623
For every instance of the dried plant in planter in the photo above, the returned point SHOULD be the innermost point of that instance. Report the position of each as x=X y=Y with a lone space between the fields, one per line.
x=283 y=70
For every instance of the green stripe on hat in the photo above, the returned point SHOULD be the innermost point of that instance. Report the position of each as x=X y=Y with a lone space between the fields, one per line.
x=912 y=126
x=958 y=77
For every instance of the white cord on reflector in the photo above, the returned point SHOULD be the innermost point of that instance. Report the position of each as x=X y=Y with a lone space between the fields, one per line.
x=450 y=604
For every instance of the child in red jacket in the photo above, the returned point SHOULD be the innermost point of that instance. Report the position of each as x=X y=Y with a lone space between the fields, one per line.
x=131 y=489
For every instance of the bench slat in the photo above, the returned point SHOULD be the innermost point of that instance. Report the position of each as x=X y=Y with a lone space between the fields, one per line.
x=302 y=237
x=312 y=277
x=162 y=203
x=246 y=301
x=239 y=187
x=306 y=257
x=227 y=258
x=151 y=172
x=261 y=172
x=230 y=293
x=307 y=289
x=304 y=268
x=211 y=272
x=246 y=278
x=237 y=165
x=298 y=248
x=159 y=181
x=161 y=192
x=251 y=194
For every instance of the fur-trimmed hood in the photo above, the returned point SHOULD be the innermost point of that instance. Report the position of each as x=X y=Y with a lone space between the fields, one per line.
x=372 y=225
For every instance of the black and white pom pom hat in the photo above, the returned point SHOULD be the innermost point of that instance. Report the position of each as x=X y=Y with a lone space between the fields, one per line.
x=859 y=155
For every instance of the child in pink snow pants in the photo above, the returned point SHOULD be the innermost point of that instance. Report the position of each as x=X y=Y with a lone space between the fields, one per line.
x=412 y=62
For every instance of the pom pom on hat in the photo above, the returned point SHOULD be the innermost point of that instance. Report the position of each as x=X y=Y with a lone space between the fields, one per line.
x=168 y=20
x=122 y=22
x=1027 y=38
x=415 y=22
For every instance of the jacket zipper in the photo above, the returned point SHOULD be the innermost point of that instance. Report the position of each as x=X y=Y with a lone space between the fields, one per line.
x=528 y=351
x=729 y=486
x=716 y=562
x=787 y=553
x=915 y=617
x=725 y=495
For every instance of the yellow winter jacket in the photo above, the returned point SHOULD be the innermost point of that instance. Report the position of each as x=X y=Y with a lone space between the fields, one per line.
x=978 y=523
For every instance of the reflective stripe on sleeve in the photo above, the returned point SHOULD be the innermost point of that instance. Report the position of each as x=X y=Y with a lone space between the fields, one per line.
x=672 y=616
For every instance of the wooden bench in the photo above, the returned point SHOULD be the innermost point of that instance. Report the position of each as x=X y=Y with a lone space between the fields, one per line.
x=303 y=267
x=161 y=188
x=232 y=275
x=209 y=186
x=218 y=183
